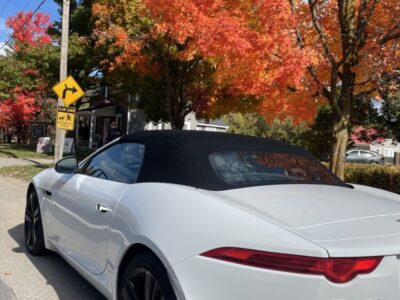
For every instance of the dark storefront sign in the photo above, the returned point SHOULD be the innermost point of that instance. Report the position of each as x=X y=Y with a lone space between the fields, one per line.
x=38 y=130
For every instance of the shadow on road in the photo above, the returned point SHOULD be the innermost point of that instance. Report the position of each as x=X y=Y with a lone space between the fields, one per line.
x=8 y=154
x=35 y=163
x=66 y=282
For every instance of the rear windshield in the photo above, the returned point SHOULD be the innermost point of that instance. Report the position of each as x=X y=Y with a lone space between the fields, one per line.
x=259 y=168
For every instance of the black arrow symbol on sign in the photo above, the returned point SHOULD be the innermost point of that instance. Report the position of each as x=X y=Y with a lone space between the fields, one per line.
x=68 y=89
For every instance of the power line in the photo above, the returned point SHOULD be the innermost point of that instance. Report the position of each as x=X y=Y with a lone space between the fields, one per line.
x=27 y=4
x=7 y=43
x=4 y=8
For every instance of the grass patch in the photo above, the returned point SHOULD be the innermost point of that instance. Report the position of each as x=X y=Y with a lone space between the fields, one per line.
x=21 y=151
x=29 y=151
x=23 y=172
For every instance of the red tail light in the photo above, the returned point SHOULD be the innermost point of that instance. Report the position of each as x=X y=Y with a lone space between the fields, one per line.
x=338 y=270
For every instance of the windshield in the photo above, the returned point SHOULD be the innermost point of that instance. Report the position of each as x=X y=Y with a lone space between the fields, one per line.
x=258 y=168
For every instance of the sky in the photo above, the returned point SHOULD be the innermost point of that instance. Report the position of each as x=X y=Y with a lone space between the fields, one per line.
x=11 y=7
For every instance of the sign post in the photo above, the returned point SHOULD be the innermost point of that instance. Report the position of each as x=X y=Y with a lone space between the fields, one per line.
x=60 y=133
x=68 y=92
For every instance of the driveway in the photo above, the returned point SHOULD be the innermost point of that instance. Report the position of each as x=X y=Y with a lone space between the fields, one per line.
x=26 y=277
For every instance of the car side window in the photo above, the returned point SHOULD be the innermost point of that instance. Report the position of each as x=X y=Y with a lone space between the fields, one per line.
x=120 y=162
x=365 y=154
x=353 y=153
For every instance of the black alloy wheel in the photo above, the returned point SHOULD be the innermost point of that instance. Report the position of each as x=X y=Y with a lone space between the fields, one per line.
x=34 y=238
x=145 y=278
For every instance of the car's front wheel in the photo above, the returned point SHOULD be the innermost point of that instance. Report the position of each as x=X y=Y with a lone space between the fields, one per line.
x=33 y=228
x=145 y=278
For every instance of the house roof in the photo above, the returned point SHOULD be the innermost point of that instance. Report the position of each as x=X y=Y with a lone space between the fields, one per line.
x=216 y=122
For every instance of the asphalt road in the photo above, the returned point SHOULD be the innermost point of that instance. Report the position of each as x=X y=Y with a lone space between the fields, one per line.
x=23 y=276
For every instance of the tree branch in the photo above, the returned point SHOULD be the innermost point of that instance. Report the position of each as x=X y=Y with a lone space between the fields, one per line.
x=367 y=92
x=321 y=35
x=313 y=74
x=361 y=27
x=297 y=32
x=362 y=82
x=394 y=33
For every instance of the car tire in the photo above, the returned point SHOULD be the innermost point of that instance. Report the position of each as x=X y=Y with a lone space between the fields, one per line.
x=145 y=278
x=33 y=227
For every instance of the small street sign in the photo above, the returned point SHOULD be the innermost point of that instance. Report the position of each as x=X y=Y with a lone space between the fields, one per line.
x=66 y=117
x=68 y=90
x=69 y=147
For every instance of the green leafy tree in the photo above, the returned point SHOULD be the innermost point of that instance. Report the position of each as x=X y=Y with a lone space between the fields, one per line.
x=84 y=58
x=12 y=75
x=247 y=124
x=316 y=138
x=254 y=124
x=24 y=81
x=388 y=117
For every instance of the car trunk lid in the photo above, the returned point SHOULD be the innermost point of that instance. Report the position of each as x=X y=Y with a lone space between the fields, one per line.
x=344 y=221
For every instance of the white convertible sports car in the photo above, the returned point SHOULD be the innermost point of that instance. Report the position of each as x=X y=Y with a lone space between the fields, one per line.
x=215 y=216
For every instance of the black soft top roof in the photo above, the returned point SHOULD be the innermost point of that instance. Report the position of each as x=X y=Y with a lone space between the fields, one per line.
x=182 y=156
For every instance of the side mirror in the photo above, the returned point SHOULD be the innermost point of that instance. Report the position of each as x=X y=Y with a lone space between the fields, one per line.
x=67 y=165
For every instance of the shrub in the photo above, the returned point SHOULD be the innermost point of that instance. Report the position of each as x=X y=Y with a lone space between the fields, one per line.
x=378 y=176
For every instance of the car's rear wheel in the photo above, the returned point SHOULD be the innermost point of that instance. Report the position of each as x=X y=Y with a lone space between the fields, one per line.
x=145 y=278
x=33 y=228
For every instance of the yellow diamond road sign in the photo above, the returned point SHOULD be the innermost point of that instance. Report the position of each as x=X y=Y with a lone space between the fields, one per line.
x=66 y=117
x=68 y=90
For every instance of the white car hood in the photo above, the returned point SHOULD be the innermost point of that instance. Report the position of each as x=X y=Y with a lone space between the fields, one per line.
x=346 y=222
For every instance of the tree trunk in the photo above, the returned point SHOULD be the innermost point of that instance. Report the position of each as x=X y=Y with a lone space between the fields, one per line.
x=178 y=123
x=19 y=134
x=9 y=135
x=338 y=151
x=341 y=116
x=340 y=92
x=174 y=93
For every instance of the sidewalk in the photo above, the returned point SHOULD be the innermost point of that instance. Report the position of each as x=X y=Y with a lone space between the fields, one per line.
x=8 y=162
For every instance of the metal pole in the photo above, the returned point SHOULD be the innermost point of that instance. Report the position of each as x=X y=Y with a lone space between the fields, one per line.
x=60 y=133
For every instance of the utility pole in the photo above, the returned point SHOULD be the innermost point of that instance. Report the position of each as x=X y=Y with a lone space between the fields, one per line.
x=60 y=133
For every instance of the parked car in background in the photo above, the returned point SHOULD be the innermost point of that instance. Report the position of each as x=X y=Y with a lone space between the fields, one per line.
x=364 y=157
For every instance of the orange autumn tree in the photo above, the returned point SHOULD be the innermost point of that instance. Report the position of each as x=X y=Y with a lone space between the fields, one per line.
x=355 y=43
x=210 y=56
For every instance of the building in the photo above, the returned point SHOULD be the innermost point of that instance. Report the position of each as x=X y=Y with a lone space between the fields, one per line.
x=97 y=112
x=191 y=123
x=387 y=148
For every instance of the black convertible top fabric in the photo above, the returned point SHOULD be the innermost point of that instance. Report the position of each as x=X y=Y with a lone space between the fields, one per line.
x=182 y=156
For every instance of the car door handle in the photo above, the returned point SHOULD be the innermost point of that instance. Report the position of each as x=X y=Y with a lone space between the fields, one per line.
x=102 y=208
